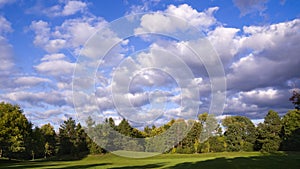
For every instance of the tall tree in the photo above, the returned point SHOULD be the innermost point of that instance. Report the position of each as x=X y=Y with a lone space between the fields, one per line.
x=37 y=144
x=269 y=132
x=15 y=130
x=67 y=137
x=291 y=131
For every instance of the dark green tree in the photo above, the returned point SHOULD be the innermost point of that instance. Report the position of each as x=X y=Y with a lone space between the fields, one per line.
x=37 y=144
x=67 y=137
x=269 y=133
x=291 y=131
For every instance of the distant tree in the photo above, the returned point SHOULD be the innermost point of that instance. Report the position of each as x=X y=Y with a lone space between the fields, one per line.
x=240 y=133
x=15 y=131
x=291 y=131
x=295 y=99
x=125 y=128
x=269 y=132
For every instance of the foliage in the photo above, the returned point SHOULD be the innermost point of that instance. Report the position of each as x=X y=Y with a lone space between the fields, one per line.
x=14 y=131
x=72 y=139
x=240 y=133
x=291 y=131
x=295 y=99
x=268 y=133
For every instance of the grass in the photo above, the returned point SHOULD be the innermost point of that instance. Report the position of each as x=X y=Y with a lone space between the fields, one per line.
x=236 y=160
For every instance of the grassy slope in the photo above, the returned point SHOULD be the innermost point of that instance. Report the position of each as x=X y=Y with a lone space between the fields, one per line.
x=243 y=160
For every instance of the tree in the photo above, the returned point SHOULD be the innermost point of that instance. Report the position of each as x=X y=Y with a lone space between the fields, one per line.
x=67 y=137
x=93 y=147
x=73 y=139
x=240 y=133
x=15 y=130
x=268 y=133
x=37 y=144
x=295 y=99
x=291 y=131
x=49 y=135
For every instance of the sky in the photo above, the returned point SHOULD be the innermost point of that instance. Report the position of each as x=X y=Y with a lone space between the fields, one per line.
x=148 y=61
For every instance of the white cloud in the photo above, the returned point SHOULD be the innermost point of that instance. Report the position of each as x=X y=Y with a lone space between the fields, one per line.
x=6 y=57
x=55 y=56
x=42 y=32
x=225 y=41
x=72 y=33
x=56 y=68
x=61 y=9
x=195 y=18
x=5 y=26
x=38 y=98
x=73 y=7
x=178 y=18
x=273 y=59
x=30 y=80
x=6 y=54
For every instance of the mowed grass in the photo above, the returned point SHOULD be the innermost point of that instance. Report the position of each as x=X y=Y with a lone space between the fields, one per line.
x=237 y=160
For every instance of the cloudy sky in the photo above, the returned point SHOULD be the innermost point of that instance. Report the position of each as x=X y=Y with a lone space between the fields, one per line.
x=166 y=59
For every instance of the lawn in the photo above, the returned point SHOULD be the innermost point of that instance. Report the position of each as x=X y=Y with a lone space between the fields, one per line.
x=239 y=160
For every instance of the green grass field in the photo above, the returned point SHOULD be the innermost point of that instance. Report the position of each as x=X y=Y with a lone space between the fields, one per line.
x=239 y=160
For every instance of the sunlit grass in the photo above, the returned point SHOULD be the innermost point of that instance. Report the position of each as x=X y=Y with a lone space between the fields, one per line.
x=243 y=160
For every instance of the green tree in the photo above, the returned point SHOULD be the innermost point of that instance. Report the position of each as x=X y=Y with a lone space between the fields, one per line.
x=269 y=132
x=240 y=133
x=291 y=131
x=214 y=144
x=67 y=137
x=37 y=144
x=15 y=131
x=49 y=135
x=93 y=147
x=73 y=139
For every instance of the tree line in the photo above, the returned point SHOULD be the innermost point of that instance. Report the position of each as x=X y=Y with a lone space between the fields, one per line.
x=19 y=140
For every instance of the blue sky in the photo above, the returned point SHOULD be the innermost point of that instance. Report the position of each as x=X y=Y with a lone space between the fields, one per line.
x=41 y=42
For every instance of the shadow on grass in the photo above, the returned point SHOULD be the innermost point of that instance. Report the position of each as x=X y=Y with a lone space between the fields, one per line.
x=23 y=165
x=140 y=166
x=270 y=161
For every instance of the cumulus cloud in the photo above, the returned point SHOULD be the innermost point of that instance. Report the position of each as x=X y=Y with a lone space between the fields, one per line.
x=55 y=65
x=72 y=33
x=273 y=59
x=73 y=7
x=6 y=56
x=38 y=98
x=182 y=17
x=30 y=80
x=61 y=9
